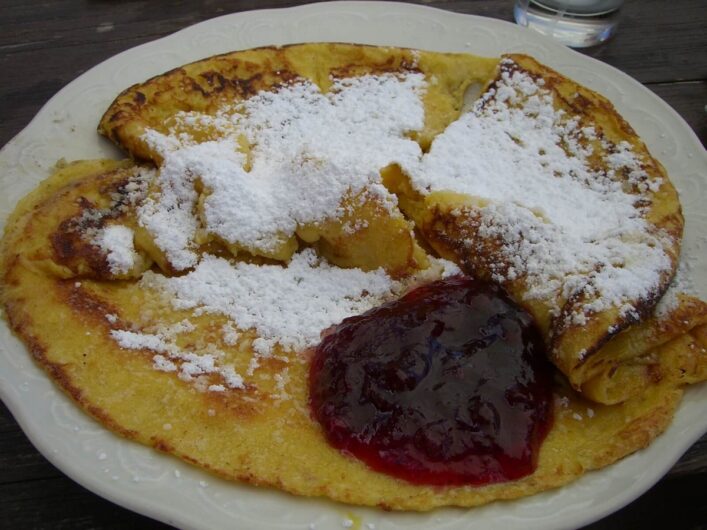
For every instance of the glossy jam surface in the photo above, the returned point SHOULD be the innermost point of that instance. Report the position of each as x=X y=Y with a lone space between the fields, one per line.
x=448 y=385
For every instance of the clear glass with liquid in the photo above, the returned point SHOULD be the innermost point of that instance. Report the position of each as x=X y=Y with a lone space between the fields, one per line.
x=576 y=23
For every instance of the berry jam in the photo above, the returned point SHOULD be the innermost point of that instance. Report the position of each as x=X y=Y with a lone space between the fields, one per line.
x=448 y=385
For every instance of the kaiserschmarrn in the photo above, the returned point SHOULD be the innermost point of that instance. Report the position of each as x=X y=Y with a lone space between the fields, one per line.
x=386 y=276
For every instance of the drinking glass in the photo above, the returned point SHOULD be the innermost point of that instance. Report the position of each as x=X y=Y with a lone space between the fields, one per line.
x=576 y=23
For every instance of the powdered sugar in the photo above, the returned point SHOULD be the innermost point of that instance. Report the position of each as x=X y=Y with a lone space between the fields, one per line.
x=159 y=362
x=564 y=226
x=117 y=242
x=308 y=150
x=286 y=306
x=449 y=268
x=169 y=214
x=230 y=334
x=682 y=284
x=170 y=357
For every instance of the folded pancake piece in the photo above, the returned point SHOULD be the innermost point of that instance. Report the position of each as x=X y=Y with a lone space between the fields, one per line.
x=669 y=344
x=543 y=188
x=205 y=86
x=92 y=222
x=163 y=367
x=269 y=145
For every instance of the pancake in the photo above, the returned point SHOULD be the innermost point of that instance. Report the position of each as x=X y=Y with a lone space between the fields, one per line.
x=587 y=282
x=259 y=432
x=204 y=101
x=206 y=85
x=180 y=302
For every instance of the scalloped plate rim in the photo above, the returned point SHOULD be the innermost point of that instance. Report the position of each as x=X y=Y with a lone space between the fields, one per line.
x=136 y=502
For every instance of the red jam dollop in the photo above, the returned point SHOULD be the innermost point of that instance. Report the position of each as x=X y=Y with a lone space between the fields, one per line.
x=448 y=385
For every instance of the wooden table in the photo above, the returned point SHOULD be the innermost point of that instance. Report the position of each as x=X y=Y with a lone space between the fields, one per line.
x=44 y=45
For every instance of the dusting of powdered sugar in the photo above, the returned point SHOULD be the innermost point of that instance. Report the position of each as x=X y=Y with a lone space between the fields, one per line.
x=168 y=215
x=562 y=225
x=682 y=285
x=309 y=150
x=117 y=243
x=287 y=306
x=190 y=366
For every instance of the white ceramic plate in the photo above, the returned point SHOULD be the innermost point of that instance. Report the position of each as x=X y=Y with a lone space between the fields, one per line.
x=166 y=489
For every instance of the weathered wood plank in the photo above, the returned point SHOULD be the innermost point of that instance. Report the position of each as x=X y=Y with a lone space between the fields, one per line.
x=677 y=503
x=659 y=41
x=19 y=460
x=694 y=462
x=689 y=100
x=59 y=503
